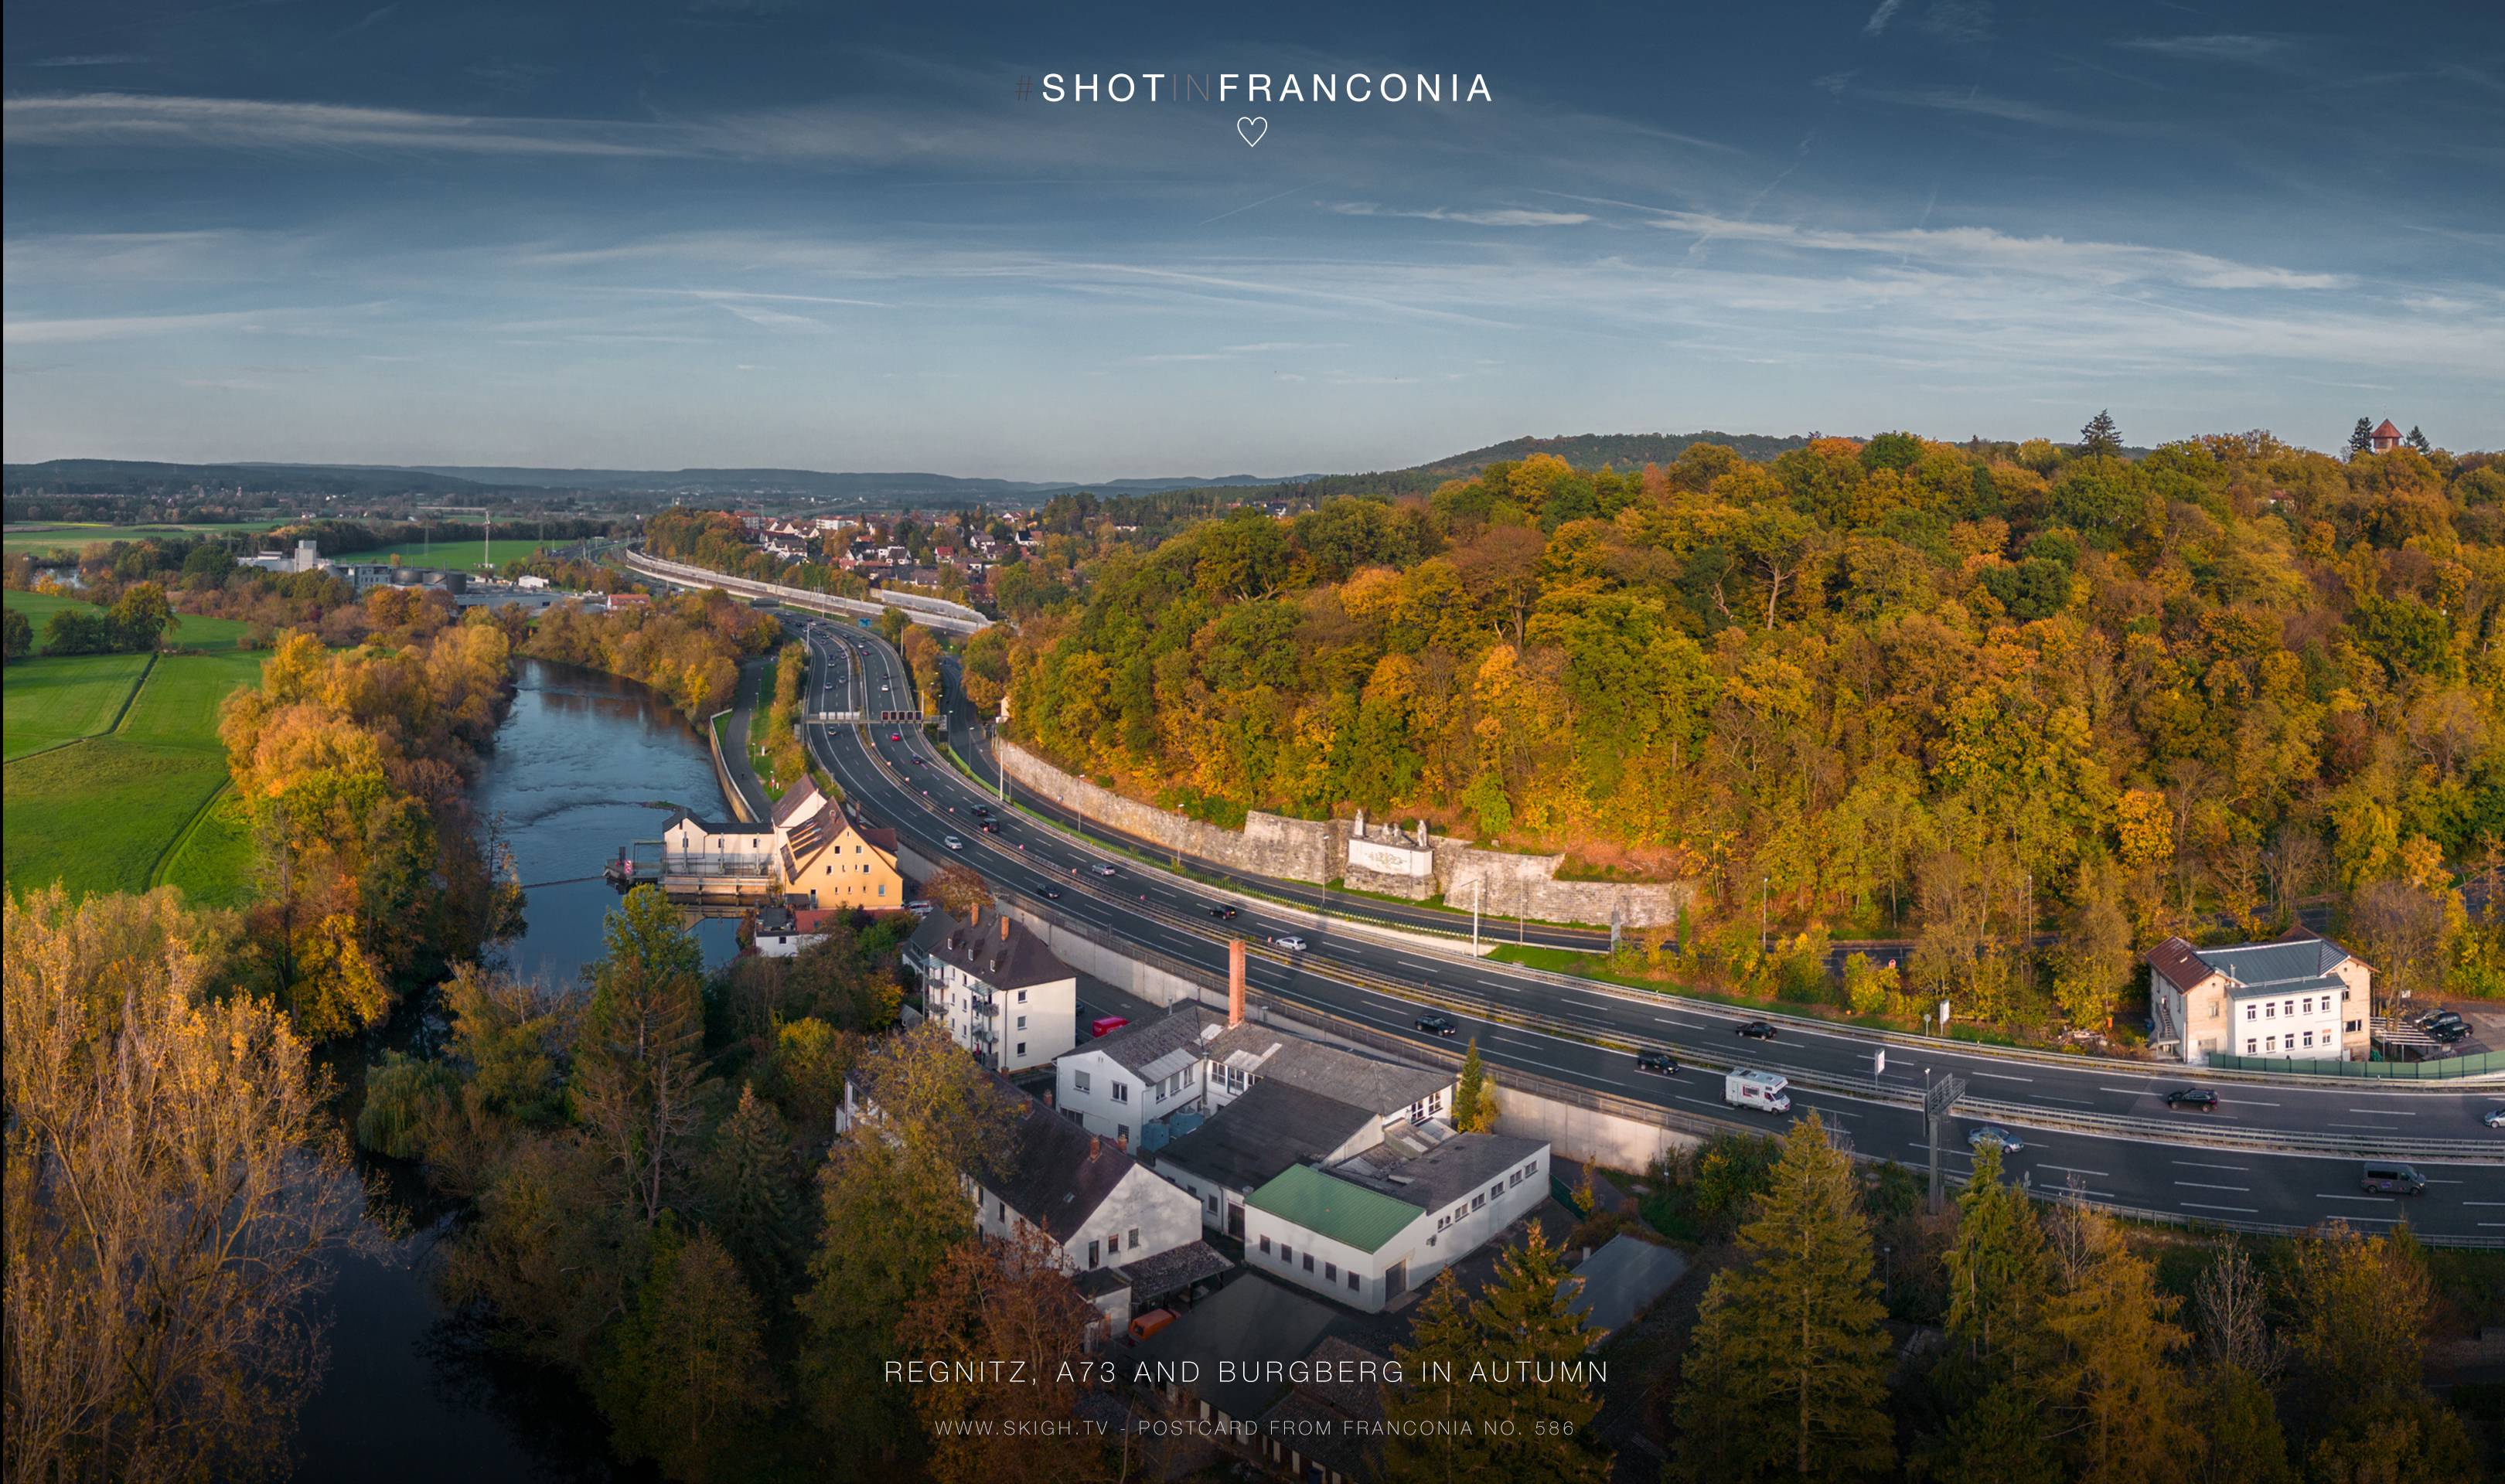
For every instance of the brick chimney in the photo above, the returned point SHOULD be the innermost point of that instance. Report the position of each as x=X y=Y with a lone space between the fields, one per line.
x=1004 y=927
x=974 y=914
x=1234 y=982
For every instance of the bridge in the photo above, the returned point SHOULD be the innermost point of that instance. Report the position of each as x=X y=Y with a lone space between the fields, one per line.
x=930 y=612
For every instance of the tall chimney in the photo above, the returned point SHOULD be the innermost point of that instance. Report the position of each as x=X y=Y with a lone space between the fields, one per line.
x=1004 y=927
x=974 y=912
x=1234 y=982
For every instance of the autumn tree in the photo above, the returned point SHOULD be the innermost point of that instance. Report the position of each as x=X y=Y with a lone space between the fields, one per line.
x=1011 y=1329
x=176 y=1189
x=688 y=1374
x=1474 y=1109
x=2356 y=1353
x=2117 y=1391
x=2099 y=440
x=1786 y=1371
x=639 y=1073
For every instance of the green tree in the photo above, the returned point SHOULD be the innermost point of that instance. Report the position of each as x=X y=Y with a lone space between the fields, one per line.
x=16 y=635
x=2117 y=1393
x=1473 y=1099
x=993 y=1303
x=2361 y=437
x=1999 y=1274
x=638 y=1072
x=2239 y=1431
x=2418 y=440
x=2357 y=1354
x=747 y=1180
x=2099 y=440
x=688 y=1372
x=1787 y=1373
x=1525 y=1319
x=142 y=617
x=1435 y=1414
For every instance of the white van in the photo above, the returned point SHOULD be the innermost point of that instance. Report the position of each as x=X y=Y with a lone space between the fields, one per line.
x=1765 y=1091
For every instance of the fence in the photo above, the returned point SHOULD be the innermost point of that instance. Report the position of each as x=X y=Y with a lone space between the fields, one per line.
x=2479 y=1065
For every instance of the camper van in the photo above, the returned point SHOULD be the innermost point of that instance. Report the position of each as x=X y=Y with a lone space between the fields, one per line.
x=1764 y=1092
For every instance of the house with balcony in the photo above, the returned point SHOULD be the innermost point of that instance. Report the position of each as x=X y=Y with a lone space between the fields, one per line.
x=2300 y=995
x=1002 y=994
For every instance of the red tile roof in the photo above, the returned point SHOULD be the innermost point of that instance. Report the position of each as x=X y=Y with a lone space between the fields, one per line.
x=2387 y=430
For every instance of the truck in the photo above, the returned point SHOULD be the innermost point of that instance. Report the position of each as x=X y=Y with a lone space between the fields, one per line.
x=1761 y=1090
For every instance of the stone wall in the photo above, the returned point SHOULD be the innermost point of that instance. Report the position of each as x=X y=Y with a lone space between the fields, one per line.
x=1317 y=850
x=1268 y=845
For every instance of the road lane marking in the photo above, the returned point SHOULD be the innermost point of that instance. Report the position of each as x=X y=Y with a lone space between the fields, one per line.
x=2071 y=1169
x=2202 y=1185
x=2202 y=1205
x=2003 y=1077
x=2134 y=1091
x=2373 y=1113
x=2075 y=1102
x=2197 y=1165
x=2372 y=1201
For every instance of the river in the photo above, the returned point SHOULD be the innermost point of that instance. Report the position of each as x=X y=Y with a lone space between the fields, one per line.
x=585 y=763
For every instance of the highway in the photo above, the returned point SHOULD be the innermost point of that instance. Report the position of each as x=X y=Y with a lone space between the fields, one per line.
x=2220 y=1166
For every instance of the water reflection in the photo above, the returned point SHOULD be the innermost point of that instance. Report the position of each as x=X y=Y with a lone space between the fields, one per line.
x=585 y=763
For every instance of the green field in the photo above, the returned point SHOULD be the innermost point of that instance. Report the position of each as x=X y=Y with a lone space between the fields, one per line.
x=78 y=536
x=123 y=810
x=457 y=556
x=192 y=633
x=54 y=701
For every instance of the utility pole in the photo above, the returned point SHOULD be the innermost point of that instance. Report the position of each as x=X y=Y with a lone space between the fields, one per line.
x=1478 y=898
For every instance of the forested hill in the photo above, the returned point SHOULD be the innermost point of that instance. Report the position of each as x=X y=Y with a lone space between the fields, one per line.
x=1872 y=682
x=1616 y=450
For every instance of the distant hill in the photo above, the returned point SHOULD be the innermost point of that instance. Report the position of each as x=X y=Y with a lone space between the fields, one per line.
x=132 y=477
x=911 y=488
x=1617 y=450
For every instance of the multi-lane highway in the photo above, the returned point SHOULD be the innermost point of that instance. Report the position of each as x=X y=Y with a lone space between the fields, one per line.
x=2218 y=1166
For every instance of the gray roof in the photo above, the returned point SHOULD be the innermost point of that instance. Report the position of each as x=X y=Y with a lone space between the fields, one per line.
x=1245 y=1144
x=1381 y=1088
x=1252 y=1318
x=1621 y=1281
x=979 y=947
x=1318 y=1414
x=2295 y=962
x=1450 y=1171
x=1057 y=1173
x=1141 y=1043
x=1171 y=1270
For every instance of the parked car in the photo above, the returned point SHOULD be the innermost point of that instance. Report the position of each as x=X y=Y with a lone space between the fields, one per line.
x=1661 y=1063
x=953 y=843
x=1290 y=941
x=1757 y=1030
x=2193 y=1097
x=2448 y=1035
x=1148 y=1323
x=2390 y=1178
x=1106 y=1025
x=2435 y=1018
x=2496 y=1117
x=1437 y=1025
x=1993 y=1133
x=1223 y=913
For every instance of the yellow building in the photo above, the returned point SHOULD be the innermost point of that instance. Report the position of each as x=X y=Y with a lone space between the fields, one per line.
x=826 y=861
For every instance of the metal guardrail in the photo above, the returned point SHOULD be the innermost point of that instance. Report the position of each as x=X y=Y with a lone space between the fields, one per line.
x=2450 y=1068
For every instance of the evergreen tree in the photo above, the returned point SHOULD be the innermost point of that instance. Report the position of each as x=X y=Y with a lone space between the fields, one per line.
x=688 y=1373
x=1996 y=1437
x=1787 y=1373
x=1474 y=1099
x=637 y=1076
x=2240 y=1432
x=2418 y=440
x=748 y=1188
x=1434 y=1412
x=2361 y=437
x=1999 y=1274
x=2115 y=1387
x=2099 y=440
x=1524 y=1318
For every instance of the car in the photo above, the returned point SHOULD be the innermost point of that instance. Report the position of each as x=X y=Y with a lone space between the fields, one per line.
x=1052 y=893
x=913 y=762
x=2448 y=1035
x=1106 y=1025
x=982 y=812
x=2193 y=1097
x=1290 y=941
x=2496 y=1117
x=1757 y=1030
x=2390 y=1178
x=1661 y=1063
x=1223 y=913
x=1101 y=870
x=895 y=737
x=2435 y=1018
x=1994 y=1134
x=953 y=843
x=990 y=826
x=1437 y=1025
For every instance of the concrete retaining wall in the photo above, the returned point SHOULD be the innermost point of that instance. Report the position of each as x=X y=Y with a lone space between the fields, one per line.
x=1317 y=850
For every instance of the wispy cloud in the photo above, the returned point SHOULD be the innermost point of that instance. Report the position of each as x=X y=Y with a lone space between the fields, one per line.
x=1974 y=100
x=2253 y=49
x=122 y=327
x=92 y=59
x=138 y=118
x=1506 y=217
x=1879 y=19
x=2106 y=263
x=1966 y=22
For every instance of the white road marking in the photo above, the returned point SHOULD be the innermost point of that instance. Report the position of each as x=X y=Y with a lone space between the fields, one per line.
x=2047 y=1097
x=2198 y=1205
x=2373 y=1112
x=2070 y=1170
x=2198 y=1164
x=2372 y=1201
x=2202 y=1185
x=2003 y=1077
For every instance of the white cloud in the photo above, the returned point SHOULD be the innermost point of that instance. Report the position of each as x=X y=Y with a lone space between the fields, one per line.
x=2106 y=263
x=1505 y=216
x=1880 y=18
x=74 y=331
x=138 y=118
x=2257 y=50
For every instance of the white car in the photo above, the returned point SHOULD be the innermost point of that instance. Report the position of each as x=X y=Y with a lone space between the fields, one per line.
x=1290 y=941
x=1103 y=869
x=953 y=843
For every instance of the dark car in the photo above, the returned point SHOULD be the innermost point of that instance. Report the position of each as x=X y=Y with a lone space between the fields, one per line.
x=1661 y=1063
x=982 y=812
x=2193 y=1097
x=1223 y=914
x=1437 y=1025
x=990 y=826
x=2390 y=1178
x=2435 y=1018
x=1757 y=1030
x=2448 y=1035
x=1052 y=893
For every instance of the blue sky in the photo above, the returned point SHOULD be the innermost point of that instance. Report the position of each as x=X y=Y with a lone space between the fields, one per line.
x=779 y=232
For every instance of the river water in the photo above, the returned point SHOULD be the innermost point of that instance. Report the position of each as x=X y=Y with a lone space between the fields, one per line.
x=585 y=763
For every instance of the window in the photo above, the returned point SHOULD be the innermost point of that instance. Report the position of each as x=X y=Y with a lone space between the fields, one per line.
x=2269 y=1043
x=1210 y=1203
x=1021 y=1051
x=1496 y=1192
x=2252 y=1046
x=2308 y=1004
x=1516 y=1178
x=1080 y=1080
x=1476 y=1201
x=2251 y=1011
x=1135 y=1240
x=2270 y=1012
x=1094 y=1254
x=1021 y=1022
x=1331 y=1272
x=1309 y=1262
x=1443 y=1221
x=1021 y=1000
x=1122 y=1130
x=2217 y=1008
x=1121 y=1091
x=2350 y=1027
x=1287 y=1254
x=2309 y=1038
x=1436 y=1102
x=1352 y=1280
x=1265 y=1244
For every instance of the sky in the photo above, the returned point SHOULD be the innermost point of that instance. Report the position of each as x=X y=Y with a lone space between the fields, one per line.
x=786 y=234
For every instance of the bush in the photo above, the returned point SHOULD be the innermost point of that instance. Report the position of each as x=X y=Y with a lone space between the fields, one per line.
x=400 y=1091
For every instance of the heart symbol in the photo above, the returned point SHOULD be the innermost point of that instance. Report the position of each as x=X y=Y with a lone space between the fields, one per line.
x=1253 y=130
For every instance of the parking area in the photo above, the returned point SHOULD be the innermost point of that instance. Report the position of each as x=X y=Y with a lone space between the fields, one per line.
x=2434 y=1030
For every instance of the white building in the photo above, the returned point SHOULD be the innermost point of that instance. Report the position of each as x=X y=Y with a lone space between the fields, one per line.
x=1364 y=1234
x=1004 y=995
x=1258 y=1137
x=1242 y=1055
x=2302 y=996
x=1118 y=1084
